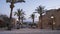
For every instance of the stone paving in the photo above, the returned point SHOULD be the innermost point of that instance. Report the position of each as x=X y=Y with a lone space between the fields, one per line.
x=30 y=31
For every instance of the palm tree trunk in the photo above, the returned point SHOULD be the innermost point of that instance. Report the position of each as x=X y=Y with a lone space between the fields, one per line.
x=11 y=6
x=40 y=26
x=9 y=27
x=33 y=21
x=22 y=20
x=41 y=21
x=11 y=14
x=19 y=19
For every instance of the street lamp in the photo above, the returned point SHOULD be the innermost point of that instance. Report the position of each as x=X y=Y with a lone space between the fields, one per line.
x=53 y=23
x=52 y=17
x=17 y=20
x=12 y=6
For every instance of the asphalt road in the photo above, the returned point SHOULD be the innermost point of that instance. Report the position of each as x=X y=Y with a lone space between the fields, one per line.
x=30 y=31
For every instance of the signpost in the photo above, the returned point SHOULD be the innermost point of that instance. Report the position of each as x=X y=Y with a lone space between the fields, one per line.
x=12 y=6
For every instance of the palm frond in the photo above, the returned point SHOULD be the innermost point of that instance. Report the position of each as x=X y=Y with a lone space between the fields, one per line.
x=40 y=9
x=32 y=16
x=15 y=13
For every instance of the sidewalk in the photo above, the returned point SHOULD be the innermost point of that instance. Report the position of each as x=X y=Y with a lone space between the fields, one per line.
x=27 y=29
x=30 y=31
x=3 y=29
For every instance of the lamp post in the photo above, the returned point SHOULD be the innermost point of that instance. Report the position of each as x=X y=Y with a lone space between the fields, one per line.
x=17 y=20
x=52 y=17
x=12 y=6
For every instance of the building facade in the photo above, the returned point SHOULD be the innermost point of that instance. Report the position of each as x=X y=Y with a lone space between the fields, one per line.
x=47 y=20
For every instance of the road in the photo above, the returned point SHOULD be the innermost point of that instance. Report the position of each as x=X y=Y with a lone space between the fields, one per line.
x=30 y=31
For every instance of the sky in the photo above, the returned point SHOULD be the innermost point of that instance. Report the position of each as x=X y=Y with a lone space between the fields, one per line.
x=28 y=7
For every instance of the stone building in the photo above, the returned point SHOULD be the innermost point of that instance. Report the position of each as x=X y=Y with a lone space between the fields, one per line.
x=1 y=22
x=47 y=21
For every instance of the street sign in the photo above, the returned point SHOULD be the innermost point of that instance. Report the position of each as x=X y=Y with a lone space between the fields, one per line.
x=15 y=1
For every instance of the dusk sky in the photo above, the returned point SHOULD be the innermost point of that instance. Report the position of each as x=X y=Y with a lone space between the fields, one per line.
x=29 y=6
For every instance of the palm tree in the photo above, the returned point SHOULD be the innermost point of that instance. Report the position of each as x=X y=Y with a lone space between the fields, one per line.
x=40 y=10
x=33 y=16
x=22 y=18
x=12 y=6
x=19 y=14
